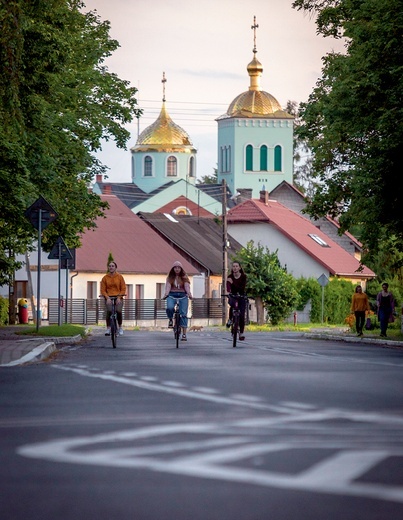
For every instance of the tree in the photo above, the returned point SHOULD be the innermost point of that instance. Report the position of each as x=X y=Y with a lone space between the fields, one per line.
x=353 y=120
x=58 y=101
x=302 y=178
x=272 y=288
x=210 y=179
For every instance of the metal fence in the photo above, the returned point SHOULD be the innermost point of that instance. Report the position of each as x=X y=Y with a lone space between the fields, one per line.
x=135 y=312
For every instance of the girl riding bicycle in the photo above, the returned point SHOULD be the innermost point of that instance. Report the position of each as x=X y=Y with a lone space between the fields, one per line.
x=236 y=285
x=178 y=286
x=113 y=284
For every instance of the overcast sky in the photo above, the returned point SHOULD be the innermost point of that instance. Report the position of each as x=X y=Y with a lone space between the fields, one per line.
x=204 y=47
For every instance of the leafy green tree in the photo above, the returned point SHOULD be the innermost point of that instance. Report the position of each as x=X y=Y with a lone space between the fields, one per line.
x=353 y=120
x=58 y=102
x=309 y=289
x=272 y=288
x=210 y=179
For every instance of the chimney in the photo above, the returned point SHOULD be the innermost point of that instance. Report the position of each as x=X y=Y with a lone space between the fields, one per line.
x=244 y=194
x=264 y=197
x=107 y=189
x=99 y=178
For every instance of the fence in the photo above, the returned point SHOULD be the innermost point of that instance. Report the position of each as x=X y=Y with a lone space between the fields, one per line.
x=206 y=311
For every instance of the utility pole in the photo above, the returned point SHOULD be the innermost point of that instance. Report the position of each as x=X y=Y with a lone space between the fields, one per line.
x=224 y=253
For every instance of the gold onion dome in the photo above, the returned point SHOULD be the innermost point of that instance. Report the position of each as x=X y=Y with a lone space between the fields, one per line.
x=255 y=102
x=164 y=135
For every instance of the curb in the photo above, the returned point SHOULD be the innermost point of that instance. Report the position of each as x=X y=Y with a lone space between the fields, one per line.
x=37 y=354
x=352 y=339
x=43 y=351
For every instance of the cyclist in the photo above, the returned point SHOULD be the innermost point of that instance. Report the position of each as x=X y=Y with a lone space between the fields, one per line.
x=178 y=286
x=236 y=285
x=113 y=284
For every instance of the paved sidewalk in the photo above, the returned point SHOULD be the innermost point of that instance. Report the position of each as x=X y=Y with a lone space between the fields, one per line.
x=17 y=349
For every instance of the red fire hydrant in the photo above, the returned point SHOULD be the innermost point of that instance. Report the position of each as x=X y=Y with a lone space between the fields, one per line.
x=23 y=310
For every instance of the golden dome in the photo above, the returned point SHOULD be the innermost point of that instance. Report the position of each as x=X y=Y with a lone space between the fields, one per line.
x=164 y=135
x=255 y=102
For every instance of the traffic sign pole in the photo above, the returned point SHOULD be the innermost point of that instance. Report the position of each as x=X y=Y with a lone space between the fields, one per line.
x=38 y=289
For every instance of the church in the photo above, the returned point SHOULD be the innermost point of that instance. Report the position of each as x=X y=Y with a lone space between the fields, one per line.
x=254 y=183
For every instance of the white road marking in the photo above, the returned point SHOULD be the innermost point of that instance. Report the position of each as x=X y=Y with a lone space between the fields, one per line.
x=211 y=449
x=148 y=383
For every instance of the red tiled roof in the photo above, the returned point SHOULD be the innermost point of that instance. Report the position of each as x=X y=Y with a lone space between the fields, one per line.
x=135 y=247
x=297 y=229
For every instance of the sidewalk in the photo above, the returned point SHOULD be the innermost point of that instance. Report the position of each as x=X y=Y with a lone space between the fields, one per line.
x=17 y=349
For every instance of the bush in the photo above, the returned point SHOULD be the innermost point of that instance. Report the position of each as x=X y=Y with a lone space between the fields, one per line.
x=3 y=311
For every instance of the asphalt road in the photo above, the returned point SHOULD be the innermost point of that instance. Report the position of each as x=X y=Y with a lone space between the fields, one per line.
x=283 y=427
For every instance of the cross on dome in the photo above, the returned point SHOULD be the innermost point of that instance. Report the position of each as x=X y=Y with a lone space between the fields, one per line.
x=163 y=81
x=254 y=27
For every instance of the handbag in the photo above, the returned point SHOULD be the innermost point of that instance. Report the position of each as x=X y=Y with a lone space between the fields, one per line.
x=368 y=324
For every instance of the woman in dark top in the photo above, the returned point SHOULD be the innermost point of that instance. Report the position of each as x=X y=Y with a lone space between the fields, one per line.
x=236 y=284
x=386 y=306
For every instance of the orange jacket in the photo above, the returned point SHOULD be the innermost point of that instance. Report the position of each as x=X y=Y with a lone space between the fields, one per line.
x=113 y=285
x=359 y=302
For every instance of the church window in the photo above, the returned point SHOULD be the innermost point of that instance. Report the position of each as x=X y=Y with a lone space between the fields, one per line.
x=172 y=166
x=191 y=167
x=148 y=166
x=249 y=158
x=263 y=158
x=225 y=159
x=277 y=159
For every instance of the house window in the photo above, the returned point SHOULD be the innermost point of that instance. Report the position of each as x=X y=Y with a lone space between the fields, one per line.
x=191 y=167
x=318 y=240
x=129 y=291
x=172 y=166
x=249 y=158
x=148 y=166
x=92 y=293
x=139 y=291
x=277 y=159
x=133 y=167
x=159 y=290
x=263 y=158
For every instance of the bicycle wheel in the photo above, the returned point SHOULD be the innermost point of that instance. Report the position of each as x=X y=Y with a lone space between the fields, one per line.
x=114 y=331
x=177 y=330
x=234 y=329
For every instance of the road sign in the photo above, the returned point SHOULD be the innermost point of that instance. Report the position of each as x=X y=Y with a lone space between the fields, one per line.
x=68 y=263
x=60 y=251
x=323 y=280
x=42 y=207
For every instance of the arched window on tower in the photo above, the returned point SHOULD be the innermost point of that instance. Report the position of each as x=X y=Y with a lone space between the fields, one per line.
x=192 y=166
x=172 y=166
x=277 y=159
x=133 y=168
x=148 y=166
x=249 y=158
x=263 y=158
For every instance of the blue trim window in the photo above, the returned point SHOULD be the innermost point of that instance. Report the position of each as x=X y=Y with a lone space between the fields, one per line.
x=249 y=158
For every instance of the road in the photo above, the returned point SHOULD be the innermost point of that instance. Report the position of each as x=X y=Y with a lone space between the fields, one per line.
x=282 y=427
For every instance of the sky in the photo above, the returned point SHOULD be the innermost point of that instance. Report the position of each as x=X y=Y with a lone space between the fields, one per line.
x=204 y=47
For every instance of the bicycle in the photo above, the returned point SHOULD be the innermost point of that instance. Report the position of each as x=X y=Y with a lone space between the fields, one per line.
x=236 y=314
x=177 y=319
x=114 y=321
